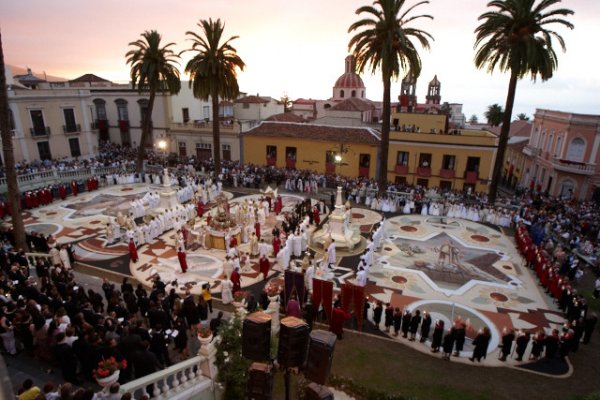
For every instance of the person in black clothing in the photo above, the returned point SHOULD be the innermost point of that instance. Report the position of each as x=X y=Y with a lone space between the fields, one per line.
x=158 y=345
x=145 y=363
x=215 y=323
x=508 y=337
x=108 y=289
x=459 y=338
x=310 y=312
x=448 y=343
x=425 y=327
x=65 y=358
x=377 y=312
x=480 y=344
x=414 y=325
x=252 y=305
x=397 y=321
x=389 y=317
x=126 y=287
x=522 y=342
x=551 y=344
x=406 y=318
x=438 y=332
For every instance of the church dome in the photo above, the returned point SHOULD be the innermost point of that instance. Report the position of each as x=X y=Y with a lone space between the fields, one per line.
x=350 y=80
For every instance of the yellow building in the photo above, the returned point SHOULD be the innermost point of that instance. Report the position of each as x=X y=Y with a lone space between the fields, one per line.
x=423 y=152
x=349 y=151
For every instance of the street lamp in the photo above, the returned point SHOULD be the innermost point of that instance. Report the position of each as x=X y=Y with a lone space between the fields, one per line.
x=162 y=145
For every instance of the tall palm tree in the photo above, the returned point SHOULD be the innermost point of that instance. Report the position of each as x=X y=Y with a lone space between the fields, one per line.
x=494 y=115
x=385 y=41
x=9 y=160
x=514 y=37
x=213 y=73
x=153 y=69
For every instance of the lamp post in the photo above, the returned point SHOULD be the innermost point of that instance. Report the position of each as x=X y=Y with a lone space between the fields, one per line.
x=162 y=145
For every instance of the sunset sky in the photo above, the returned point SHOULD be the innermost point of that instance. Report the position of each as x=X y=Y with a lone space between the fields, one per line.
x=296 y=47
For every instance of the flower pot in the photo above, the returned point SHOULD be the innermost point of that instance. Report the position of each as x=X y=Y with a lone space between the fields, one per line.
x=108 y=380
x=205 y=340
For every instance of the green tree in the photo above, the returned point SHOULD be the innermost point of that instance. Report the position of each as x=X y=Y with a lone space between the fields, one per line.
x=494 y=115
x=473 y=120
x=233 y=368
x=522 y=117
x=9 y=160
x=153 y=69
x=384 y=40
x=513 y=37
x=287 y=103
x=213 y=73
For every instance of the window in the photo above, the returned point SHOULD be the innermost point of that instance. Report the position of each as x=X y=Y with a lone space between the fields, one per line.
x=549 y=144
x=44 y=150
x=290 y=153
x=206 y=112
x=70 y=124
x=11 y=121
x=342 y=94
x=402 y=158
x=203 y=151
x=576 y=150
x=100 y=109
x=186 y=115
x=37 y=122
x=448 y=161
x=122 y=110
x=353 y=93
x=74 y=147
x=330 y=157
x=272 y=152
x=557 y=148
x=182 y=149
x=226 y=152
x=424 y=161
x=246 y=105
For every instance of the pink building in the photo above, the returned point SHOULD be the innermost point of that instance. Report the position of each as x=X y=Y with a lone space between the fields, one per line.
x=562 y=154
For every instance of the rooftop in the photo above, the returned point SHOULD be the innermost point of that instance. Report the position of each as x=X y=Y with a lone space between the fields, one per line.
x=315 y=132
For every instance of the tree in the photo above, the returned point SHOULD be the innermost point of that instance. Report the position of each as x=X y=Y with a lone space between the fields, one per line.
x=473 y=120
x=233 y=368
x=213 y=73
x=513 y=37
x=9 y=160
x=153 y=69
x=287 y=103
x=494 y=115
x=522 y=117
x=385 y=41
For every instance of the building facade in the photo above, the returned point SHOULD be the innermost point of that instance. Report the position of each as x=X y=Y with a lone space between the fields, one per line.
x=349 y=151
x=562 y=154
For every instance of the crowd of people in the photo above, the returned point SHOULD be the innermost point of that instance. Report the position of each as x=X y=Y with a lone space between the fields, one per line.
x=54 y=319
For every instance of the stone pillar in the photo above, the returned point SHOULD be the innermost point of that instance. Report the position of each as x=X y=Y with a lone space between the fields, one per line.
x=208 y=367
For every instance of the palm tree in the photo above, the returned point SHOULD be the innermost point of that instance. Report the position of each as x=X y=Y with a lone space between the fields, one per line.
x=213 y=73
x=9 y=161
x=153 y=69
x=384 y=41
x=494 y=115
x=514 y=38
x=522 y=117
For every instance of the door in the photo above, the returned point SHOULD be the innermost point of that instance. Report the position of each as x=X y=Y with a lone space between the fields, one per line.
x=290 y=157
x=364 y=163
x=44 y=150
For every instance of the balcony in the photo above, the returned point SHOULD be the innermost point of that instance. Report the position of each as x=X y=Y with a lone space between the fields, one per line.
x=573 y=167
x=271 y=161
x=531 y=151
x=290 y=163
x=423 y=171
x=330 y=168
x=447 y=173
x=401 y=169
x=73 y=128
x=100 y=124
x=471 y=177
x=40 y=131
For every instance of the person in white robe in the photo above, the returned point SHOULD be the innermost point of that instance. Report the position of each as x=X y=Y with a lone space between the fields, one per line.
x=226 y=291
x=331 y=255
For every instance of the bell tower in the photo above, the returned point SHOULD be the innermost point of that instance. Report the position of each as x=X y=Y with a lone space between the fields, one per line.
x=408 y=98
x=434 y=91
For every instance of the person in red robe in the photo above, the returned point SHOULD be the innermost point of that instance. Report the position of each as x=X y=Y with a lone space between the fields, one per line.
x=278 y=205
x=62 y=191
x=28 y=202
x=132 y=251
x=316 y=215
x=338 y=317
x=182 y=260
x=200 y=208
x=74 y=188
x=257 y=229
x=264 y=266
x=276 y=242
x=236 y=280
x=233 y=242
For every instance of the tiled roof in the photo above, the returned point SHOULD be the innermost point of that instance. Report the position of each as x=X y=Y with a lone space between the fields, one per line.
x=286 y=117
x=353 y=104
x=252 y=99
x=518 y=142
x=91 y=78
x=305 y=101
x=315 y=132
x=349 y=80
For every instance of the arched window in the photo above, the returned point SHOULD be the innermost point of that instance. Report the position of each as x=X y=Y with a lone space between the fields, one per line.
x=576 y=150
x=354 y=93
x=557 y=149
x=100 y=105
x=122 y=109
x=342 y=93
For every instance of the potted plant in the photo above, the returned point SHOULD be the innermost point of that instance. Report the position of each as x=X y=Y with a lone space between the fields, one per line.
x=273 y=292
x=107 y=371
x=205 y=335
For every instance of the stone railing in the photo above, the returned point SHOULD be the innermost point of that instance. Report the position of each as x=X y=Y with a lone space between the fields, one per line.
x=32 y=257
x=184 y=380
x=44 y=178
